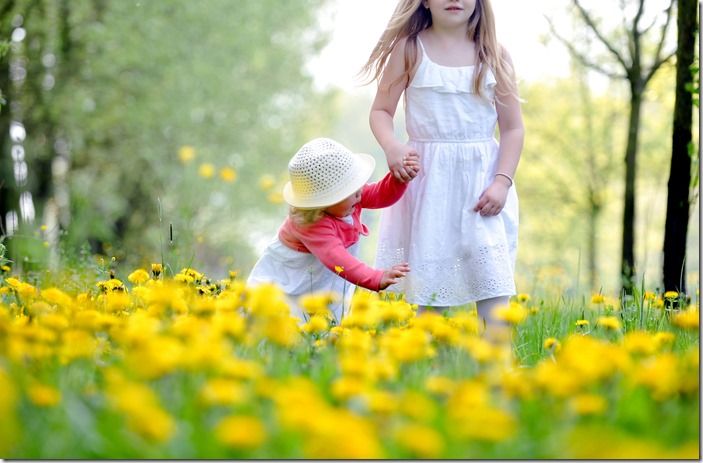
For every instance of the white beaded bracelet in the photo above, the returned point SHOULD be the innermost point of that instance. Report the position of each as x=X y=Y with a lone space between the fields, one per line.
x=506 y=176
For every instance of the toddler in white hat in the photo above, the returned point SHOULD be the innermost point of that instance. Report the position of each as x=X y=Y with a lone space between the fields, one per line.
x=316 y=246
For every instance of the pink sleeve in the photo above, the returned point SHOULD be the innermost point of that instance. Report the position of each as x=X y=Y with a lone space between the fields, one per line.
x=383 y=193
x=322 y=241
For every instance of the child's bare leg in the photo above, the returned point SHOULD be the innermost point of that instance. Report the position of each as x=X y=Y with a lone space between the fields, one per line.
x=495 y=329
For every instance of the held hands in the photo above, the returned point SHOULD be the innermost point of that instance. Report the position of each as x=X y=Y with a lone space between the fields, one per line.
x=392 y=275
x=403 y=162
x=493 y=199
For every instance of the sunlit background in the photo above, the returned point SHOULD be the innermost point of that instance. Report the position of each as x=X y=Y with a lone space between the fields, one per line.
x=154 y=131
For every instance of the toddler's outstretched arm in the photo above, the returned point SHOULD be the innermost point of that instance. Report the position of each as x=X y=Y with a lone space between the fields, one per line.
x=393 y=274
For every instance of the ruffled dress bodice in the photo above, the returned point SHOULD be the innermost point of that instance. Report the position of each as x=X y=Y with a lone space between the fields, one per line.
x=434 y=112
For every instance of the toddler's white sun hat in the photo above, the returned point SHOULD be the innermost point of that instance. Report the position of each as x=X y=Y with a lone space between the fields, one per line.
x=323 y=172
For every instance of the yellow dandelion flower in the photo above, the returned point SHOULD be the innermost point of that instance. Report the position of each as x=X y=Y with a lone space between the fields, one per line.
x=141 y=407
x=347 y=386
x=281 y=329
x=354 y=364
x=139 y=276
x=523 y=297
x=55 y=321
x=43 y=396
x=687 y=319
x=660 y=374
x=588 y=404
x=671 y=295
x=116 y=302
x=662 y=338
x=228 y=174
x=317 y=303
x=38 y=308
x=516 y=383
x=552 y=344
x=111 y=285
x=417 y=406
x=5 y=268
x=317 y=324
x=241 y=369
x=206 y=170
x=221 y=391
x=339 y=269
x=582 y=323
x=512 y=313
x=486 y=424
x=611 y=323
x=640 y=342
x=186 y=154
x=597 y=299
x=156 y=270
x=440 y=385
x=649 y=296
x=381 y=402
x=22 y=288
x=422 y=441
x=77 y=344
x=242 y=432
x=266 y=182
x=57 y=297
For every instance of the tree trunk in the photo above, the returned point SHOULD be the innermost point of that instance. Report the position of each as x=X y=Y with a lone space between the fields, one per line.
x=9 y=199
x=594 y=211
x=677 y=207
x=628 y=224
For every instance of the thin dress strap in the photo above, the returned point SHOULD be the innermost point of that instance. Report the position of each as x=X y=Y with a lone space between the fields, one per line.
x=422 y=47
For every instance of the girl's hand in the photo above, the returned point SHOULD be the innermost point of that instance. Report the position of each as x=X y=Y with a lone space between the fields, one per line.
x=392 y=275
x=403 y=162
x=493 y=199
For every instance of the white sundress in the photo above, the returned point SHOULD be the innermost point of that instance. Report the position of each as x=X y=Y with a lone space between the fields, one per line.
x=298 y=273
x=456 y=256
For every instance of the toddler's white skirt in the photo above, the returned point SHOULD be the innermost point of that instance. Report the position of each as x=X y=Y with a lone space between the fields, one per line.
x=298 y=273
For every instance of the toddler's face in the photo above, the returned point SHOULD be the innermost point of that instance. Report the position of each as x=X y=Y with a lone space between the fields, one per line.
x=345 y=207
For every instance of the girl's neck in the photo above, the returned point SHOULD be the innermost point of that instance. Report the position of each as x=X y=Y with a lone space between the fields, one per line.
x=449 y=47
x=448 y=35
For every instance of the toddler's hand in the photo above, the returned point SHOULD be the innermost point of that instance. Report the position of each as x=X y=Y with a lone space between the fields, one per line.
x=412 y=162
x=403 y=162
x=391 y=276
x=493 y=199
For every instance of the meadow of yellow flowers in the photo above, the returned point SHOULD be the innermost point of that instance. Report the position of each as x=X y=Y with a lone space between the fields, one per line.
x=182 y=367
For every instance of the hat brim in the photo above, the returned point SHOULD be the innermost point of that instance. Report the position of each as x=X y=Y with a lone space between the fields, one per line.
x=364 y=165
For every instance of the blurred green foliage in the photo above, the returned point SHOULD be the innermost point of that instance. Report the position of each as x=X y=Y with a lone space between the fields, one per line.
x=136 y=81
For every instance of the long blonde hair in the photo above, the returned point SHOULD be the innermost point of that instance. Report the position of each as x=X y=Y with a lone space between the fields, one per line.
x=410 y=18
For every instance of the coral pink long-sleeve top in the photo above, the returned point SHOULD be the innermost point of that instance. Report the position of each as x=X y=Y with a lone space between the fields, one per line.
x=328 y=238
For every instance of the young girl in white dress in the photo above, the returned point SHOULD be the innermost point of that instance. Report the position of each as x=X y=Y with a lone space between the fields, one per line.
x=457 y=225
x=316 y=246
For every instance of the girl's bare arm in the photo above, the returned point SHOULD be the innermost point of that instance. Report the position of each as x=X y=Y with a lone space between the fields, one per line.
x=382 y=113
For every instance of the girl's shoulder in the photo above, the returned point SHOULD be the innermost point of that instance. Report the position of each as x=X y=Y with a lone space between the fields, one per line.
x=398 y=51
x=406 y=48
